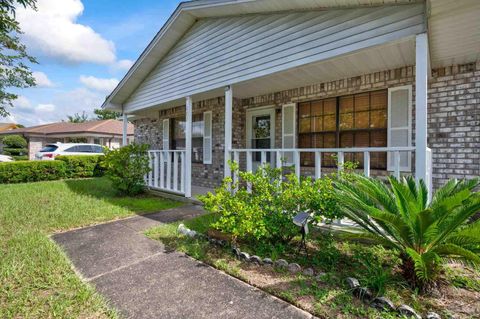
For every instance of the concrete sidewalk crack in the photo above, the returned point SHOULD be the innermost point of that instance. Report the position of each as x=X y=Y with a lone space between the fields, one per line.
x=123 y=267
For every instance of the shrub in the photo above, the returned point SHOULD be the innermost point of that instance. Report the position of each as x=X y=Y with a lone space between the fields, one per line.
x=31 y=171
x=14 y=141
x=79 y=166
x=266 y=212
x=126 y=167
x=15 y=151
x=14 y=145
x=426 y=234
x=20 y=157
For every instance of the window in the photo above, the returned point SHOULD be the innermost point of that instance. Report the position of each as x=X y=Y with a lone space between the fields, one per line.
x=73 y=149
x=49 y=148
x=358 y=120
x=197 y=136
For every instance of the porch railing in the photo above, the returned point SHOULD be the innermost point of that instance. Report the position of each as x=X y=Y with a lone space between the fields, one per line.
x=167 y=171
x=280 y=154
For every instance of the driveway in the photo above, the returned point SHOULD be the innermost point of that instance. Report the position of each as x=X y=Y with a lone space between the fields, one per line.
x=143 y=280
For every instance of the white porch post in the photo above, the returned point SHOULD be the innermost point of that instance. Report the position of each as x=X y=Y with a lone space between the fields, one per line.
x=125 y=129
x=421 y=86
x=228 y=128
x=188 y=148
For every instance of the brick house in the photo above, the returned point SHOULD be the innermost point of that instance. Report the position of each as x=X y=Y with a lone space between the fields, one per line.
x=393 y=85
x=104 y=132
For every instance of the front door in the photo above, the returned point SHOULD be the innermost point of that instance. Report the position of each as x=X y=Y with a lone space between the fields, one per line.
x=261 y=133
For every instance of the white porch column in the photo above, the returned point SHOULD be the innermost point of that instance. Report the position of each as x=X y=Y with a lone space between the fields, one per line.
x=228 y=128
x=421 y=87
x=188 y=147
x=125 y=129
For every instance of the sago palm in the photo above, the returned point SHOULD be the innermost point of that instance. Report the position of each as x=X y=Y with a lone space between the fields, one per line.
x=399 y=215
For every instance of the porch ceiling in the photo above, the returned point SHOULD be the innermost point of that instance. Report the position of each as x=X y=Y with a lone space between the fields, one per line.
x=383 y=57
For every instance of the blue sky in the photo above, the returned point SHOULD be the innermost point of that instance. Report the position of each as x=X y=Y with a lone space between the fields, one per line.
x=84 y=47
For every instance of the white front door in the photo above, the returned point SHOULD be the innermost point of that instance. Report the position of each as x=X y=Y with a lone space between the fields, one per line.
x=261 y=132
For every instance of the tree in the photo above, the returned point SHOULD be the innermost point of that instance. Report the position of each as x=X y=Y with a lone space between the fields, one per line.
x=14 y=72
x=78 y=118
x=426 y=234
x=104 y=114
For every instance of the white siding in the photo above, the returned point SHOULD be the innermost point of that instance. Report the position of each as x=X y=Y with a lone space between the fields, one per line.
x=220 y=51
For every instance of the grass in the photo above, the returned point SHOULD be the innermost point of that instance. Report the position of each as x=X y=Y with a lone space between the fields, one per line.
x=36 y=278
x=375 y=267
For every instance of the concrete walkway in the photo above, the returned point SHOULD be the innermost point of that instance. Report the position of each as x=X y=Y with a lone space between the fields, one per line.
x=143 y=280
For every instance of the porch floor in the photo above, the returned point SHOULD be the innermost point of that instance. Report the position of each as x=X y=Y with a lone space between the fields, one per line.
x=200 y=190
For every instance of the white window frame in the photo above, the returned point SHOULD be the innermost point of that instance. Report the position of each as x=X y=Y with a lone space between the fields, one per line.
x=390 y=167
x=293 y=135
x=205 y=137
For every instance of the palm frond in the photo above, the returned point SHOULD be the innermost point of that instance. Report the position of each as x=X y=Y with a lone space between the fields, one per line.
x=456 y=252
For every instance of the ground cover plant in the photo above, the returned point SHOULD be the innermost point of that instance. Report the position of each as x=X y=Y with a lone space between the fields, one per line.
x=36 y=278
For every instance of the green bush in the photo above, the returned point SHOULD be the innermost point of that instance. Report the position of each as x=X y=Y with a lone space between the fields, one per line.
x=426 y=234
x=31 y=171
x=14 y=141
x=126 y=167
x=20 y=157
x=15 y=151
x=78 y=166
x=264 y=209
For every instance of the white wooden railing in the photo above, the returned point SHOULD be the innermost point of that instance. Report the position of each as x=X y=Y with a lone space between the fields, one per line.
x=167 y=171
x=279 y=154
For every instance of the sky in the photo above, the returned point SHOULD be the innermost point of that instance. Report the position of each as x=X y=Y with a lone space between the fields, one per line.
x=84 y=48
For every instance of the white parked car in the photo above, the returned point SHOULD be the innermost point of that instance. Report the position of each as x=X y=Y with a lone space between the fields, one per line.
x=6 y=158
x=50 y=151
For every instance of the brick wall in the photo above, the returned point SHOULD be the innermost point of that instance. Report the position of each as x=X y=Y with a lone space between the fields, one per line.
x=454 y=122
x=454 y=130
x=35 y=144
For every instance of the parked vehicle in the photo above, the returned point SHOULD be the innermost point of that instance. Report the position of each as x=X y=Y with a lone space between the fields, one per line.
x=50 y=151
x=6 y=158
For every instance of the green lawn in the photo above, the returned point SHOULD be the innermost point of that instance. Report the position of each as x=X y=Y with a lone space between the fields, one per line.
x=36 y=278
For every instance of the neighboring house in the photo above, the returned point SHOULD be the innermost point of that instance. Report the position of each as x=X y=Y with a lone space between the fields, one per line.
x=7 y=126
x=106 y=132
x=394 y=85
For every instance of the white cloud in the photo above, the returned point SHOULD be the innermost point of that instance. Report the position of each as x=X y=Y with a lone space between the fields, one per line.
x=42 y=80
x=45 y=108
x=99 y=84
x=123 y=65
x=21 y=102
x=54 y=32
x=61 y=104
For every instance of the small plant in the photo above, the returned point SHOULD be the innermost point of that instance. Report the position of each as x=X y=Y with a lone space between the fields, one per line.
x=426 y=234
x=126 y=168
x=261 y=204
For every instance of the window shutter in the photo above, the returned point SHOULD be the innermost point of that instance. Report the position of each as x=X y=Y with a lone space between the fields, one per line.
x=207 y=137
x=166 y=135
x=288 y=131
x=400 y=124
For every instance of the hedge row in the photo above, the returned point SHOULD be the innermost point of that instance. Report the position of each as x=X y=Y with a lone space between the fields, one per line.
x=82 y=165
x=62 y=167
x=31 y=171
